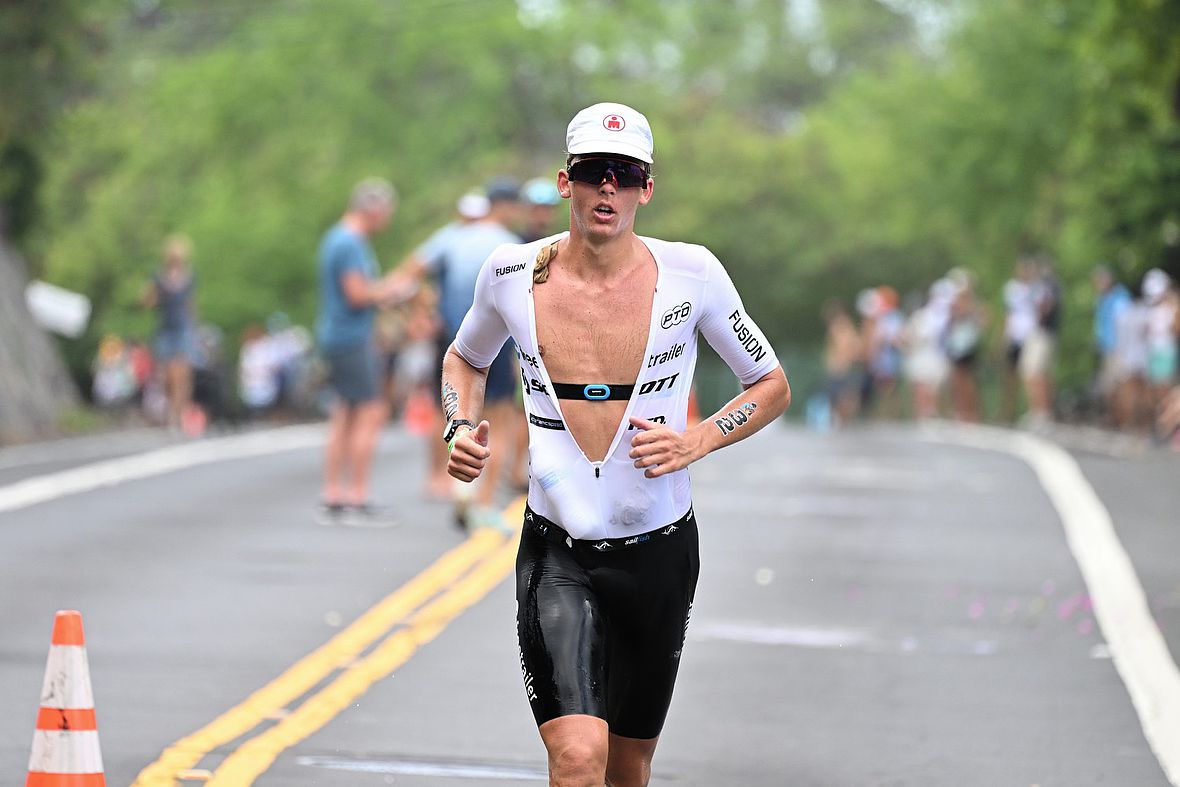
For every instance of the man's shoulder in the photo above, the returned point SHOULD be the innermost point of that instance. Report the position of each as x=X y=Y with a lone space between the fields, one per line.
x=683 y=259
x=340 y=237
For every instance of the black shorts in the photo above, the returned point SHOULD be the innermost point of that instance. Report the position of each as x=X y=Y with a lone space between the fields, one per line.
x=601 y=624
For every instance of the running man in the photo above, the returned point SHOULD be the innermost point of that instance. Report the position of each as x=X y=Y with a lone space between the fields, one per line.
x=606 y=323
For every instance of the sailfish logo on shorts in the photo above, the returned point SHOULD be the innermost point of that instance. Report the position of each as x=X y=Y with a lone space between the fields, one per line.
x=602 y=546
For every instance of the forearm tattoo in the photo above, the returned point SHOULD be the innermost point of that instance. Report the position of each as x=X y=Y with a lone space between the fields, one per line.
x=735 y=418
x=450 y=401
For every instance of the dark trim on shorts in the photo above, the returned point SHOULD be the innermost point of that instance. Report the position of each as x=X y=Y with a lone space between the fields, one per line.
x=556 y=534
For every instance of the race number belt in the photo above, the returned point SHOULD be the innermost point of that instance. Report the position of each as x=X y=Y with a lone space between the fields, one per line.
x=593 y=392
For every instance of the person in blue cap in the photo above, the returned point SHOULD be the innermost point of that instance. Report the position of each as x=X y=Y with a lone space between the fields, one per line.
x=540 y=198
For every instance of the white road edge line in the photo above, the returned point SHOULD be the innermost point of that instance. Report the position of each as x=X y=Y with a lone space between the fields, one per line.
x=1138 y=648
x=43 y=488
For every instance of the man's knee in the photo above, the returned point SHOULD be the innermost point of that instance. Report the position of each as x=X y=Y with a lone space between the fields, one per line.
x=629 y=761
x=628 y=772
x=578 y=762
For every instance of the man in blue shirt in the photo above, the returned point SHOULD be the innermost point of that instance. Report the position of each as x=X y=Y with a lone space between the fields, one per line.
x=350 y=290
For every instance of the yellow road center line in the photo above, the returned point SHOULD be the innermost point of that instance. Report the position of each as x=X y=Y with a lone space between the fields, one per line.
x=253 y=757
x=314 y=667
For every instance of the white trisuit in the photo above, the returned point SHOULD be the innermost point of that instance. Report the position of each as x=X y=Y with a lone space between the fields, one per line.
x=612 y=498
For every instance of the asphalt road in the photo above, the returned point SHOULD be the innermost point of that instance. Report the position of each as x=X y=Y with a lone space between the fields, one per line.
x=877 y=607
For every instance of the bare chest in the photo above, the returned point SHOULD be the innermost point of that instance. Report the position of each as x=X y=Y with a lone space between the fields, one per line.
x=588 y=336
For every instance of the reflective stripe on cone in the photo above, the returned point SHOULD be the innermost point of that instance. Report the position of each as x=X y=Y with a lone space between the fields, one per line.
x=65 y=743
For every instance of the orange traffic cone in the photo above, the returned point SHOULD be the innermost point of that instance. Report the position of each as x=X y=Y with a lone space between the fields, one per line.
x=65 y=744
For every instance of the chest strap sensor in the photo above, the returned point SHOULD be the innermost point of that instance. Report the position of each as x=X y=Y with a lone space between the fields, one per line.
x=593 y=392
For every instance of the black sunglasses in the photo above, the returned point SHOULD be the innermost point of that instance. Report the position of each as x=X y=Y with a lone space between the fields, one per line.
x=596 y=171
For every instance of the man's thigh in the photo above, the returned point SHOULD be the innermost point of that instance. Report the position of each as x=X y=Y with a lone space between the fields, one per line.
x=561 y=633
x=648 y=621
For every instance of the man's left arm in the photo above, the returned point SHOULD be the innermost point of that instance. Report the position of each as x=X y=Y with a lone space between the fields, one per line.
x=663 y=450
x=766 y=395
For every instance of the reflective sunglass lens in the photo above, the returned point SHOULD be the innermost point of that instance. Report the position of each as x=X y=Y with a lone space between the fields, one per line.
x=622 y=174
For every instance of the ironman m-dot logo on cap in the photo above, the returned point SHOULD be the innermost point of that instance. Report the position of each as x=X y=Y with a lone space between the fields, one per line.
x=614 y=123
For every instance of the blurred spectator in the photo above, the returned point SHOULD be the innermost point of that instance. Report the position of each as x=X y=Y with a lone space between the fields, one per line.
x=471 y=207
x=1167 y=424
x=1131 y=362
x=291 y=347
x=1020 y=320
x=884 y=351
x=1037 y=354
x=1137 y=342
x=843 y=352
x=867 y=306
x=926 y=362
x=115 y=383
x=211 y=396
x=274 y=368
x=1113 y=300
x=964 y=338
x=258 y=372
x=1163 y=331
x=455 y=263
x=171 y=294
x=415 y=371
x=390 y=340
x=141 y=365
x=541 y=199
x=350 y=291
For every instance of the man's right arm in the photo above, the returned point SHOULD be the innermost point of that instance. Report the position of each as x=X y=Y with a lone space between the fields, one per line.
x=462 y=399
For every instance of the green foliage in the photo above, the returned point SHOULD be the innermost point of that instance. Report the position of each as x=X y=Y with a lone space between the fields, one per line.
x=42 y=61
x=815 y=153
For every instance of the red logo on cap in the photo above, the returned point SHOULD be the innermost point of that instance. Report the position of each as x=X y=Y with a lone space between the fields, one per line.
x=614 y=123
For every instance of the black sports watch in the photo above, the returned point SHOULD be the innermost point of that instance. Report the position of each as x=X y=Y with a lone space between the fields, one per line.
x=449 y=434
